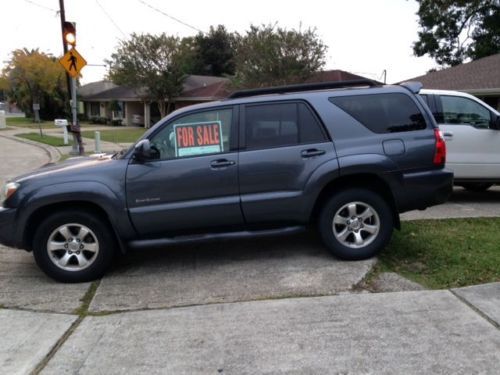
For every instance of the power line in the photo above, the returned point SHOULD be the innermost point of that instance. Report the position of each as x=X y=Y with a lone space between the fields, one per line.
x=110 y=18
x=171 y=17
x=42 y=6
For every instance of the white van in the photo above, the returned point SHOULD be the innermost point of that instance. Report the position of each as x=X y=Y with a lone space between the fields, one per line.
x=471 y=129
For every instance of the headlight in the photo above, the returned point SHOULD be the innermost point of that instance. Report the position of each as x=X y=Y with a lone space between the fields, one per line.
x=8 y=190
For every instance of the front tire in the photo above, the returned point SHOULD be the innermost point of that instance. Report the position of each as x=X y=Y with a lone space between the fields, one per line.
x=356 y=224
x=73 y=246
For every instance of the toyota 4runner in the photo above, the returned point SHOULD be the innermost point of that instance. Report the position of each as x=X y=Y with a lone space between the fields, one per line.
x=347 y=157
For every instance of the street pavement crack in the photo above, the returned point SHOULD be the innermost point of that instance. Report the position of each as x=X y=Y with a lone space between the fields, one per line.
x=43 y=363
x=476 y=310
x=82 y=312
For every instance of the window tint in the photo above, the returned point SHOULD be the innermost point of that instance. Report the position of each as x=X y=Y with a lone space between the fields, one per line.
x=383 y=113
x=195 y=134
x=310 y=128
x=457 y=110
x=282 y=124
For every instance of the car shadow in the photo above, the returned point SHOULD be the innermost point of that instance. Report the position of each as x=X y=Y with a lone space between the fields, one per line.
x=461 y=195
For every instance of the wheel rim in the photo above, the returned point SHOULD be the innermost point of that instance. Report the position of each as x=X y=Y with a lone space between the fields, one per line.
x=356 y=225
x=72 y=247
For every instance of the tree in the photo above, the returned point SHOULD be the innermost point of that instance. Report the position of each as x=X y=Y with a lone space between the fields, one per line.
x=455 y=30
x=153 y=64
x=269 y=56
x=31 y=77
x=214 y=52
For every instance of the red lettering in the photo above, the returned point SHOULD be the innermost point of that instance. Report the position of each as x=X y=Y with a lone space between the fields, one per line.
x=206 y=135
x=199 y=133
x=191 y=136
x=216 y=134
x=179 y=137
x=184 y=137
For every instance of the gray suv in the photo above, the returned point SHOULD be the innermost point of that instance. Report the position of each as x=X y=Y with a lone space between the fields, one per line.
x=347 y=157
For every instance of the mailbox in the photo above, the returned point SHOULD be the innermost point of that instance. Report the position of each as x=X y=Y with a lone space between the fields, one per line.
x=60 y=122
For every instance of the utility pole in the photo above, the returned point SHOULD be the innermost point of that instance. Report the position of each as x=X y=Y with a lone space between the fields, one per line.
x=71 y=82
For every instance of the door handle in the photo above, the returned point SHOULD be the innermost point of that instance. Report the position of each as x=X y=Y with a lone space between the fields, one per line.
x=448 y=134
x=311 y=152
x=221 y=163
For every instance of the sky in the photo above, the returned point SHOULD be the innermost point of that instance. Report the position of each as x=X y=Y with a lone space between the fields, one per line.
x=364 y=37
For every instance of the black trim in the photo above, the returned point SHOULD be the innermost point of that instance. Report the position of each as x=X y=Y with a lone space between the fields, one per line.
x=234 y=137
x=160 y=242
x=303 y=87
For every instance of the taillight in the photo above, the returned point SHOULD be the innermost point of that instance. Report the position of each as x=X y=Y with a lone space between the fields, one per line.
x=440 y=151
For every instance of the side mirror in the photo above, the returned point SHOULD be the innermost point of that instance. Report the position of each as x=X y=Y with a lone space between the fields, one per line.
x=495 y=122
x=142 y=150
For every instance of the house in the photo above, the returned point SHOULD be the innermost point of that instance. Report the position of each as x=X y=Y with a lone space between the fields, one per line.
x=105 y=101
x=480 y=78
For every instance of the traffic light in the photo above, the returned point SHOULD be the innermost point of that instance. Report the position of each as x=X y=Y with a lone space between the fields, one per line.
x=69 y=32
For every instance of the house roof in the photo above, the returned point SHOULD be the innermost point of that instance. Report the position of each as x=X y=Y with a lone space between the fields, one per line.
x=478 y=76
x=217 y=90
x=335 y=75
x=195 y=87
x=95 y=87
x=124 y=93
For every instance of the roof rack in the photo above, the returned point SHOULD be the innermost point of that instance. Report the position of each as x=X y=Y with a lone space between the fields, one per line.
x=303 y=87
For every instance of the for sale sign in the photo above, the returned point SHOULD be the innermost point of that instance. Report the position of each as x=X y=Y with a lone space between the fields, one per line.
x=198 y=138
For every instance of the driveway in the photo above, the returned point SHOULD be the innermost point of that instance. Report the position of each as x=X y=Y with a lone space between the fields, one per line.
x=462 y=203
x=274 y=305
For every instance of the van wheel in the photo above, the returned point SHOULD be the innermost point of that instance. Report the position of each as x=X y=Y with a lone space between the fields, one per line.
x=73 y=246
x=356 y=224
x=476 y=186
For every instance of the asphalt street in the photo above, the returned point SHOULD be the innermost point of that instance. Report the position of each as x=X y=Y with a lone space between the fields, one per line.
x=277 y=305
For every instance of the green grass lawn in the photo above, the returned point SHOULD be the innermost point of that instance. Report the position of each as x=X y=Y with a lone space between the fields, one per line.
x=47 y=139
x=445 y=253
x=120 y=135
x=26 y=122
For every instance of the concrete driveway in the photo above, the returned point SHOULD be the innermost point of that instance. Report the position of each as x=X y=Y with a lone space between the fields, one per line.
x=276 y=305
x=462 y=203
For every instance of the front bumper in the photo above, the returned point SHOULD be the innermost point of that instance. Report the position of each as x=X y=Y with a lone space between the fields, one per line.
x=8 y=226
x=424 y=189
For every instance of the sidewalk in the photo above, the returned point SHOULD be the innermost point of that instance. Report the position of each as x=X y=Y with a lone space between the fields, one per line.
x=427 y=332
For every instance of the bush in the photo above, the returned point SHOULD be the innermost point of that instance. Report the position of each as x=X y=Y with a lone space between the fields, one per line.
x=99 y=120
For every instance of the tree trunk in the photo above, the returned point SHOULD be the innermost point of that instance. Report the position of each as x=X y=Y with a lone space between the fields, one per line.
x=169 y=105
x=162 y=107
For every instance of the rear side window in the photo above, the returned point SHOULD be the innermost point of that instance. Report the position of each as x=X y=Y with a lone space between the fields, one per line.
x=458 y=110
x=281 y=124
x=383 y=113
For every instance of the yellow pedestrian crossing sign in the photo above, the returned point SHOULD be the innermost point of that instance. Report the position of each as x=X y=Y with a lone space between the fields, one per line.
x=73 y=62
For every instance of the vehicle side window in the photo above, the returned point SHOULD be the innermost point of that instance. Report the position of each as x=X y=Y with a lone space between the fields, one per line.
x=383 y=113
x=281 y=124
x=458 y=110
x=195 y=134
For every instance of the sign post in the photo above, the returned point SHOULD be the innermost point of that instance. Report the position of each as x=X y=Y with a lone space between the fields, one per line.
x=73 y=62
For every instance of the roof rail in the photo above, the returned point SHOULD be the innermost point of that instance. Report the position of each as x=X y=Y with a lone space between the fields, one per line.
x=303 y=87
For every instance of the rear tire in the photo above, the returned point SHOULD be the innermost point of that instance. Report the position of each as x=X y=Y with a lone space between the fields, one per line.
x=356 y=224
x=476 y=186
x=74 y=247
